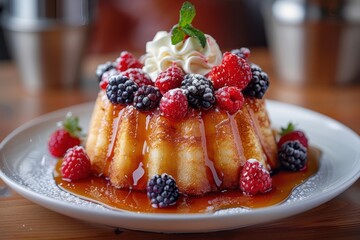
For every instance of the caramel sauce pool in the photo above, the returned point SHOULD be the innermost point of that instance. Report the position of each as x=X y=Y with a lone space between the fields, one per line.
x=99 y=190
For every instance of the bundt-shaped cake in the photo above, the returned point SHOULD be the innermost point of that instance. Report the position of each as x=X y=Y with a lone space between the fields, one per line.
x=184 y=109
x=203 y=152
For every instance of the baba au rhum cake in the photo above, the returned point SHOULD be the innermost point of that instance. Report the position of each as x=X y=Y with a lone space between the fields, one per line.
x=141 y=126
x=184 y=125
x=203 y=152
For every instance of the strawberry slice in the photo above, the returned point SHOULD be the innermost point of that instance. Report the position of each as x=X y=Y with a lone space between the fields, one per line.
x=69 y=135
x=290 y=134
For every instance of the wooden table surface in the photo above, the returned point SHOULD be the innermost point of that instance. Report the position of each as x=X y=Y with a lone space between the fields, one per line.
x=20 y=218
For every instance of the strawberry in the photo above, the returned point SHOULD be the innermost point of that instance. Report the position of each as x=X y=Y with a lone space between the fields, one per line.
x=140 y=77
x=290 y=134
x=65 y=137
x=254 y=178
x=126 y=60
x=230 y=99
x=233 y=71
x=174 y=104
x=170 y=78
x=76 y=164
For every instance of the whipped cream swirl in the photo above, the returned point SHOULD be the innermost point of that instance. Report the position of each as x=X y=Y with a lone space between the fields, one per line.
x=188 y=54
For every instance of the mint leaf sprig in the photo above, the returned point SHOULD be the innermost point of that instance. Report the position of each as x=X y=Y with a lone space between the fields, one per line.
x=184 y=28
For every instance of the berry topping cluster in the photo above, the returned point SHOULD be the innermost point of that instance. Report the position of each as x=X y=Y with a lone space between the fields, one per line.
x=225 y=86
x=173 y=91
x=292 y=147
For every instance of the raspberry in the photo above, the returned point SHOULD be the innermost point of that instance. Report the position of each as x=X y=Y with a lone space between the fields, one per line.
x=233 y=71
x=199 y=91
x=174 y=104
x=65 y=137
x=170 y=78
x=290 y=134
x=126 y=61
x=120 y=90
x=102 y=68
x=76 y=164
x=242 y=52
x=162 y=191
x=259 y=83
x=254 y=178
x=147 y=98
x=138 y=76
x=106 y=76
x=229 y=98
x=293 y=156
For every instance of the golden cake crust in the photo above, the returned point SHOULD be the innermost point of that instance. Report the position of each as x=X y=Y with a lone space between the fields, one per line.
x=204 y=152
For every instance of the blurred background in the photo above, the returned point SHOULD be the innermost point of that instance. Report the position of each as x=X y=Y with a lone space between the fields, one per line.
x=311 y=41
x=128 y=24
x=58 y=34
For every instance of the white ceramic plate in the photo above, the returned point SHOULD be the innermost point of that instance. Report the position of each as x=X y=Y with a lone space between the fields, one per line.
x=26 y=166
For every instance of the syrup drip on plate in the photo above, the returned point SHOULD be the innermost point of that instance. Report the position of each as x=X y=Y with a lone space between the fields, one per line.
x=98 y=189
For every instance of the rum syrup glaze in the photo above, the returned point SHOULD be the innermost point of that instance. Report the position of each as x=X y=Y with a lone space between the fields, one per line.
x=99 y=190
x=204 y=151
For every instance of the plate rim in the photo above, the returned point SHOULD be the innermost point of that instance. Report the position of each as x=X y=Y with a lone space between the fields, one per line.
x=83 y=107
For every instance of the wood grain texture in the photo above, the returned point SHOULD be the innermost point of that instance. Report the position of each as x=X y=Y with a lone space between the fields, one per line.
x=22 y=219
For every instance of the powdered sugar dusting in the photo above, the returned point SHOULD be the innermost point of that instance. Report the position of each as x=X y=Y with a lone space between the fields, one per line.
x=36 y=174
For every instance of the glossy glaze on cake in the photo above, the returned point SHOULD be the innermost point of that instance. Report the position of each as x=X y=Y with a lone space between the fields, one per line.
x=204 y=152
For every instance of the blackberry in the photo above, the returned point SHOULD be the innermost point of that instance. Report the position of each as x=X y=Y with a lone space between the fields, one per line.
x=242 y=52
x=292 y=155
x=120 y=90
x=147 y=97
x=102 y=68
x=259 y=83
x=162 y=191
x=199 y=91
